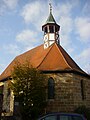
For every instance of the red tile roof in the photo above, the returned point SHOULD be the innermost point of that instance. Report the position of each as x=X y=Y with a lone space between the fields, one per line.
x=54 y=58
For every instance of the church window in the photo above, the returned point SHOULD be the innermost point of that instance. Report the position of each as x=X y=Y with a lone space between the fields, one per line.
x=82 y=89
x=51 y=88
x=51 y=29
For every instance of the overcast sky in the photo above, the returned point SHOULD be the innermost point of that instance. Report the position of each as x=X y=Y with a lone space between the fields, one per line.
x=21 y=28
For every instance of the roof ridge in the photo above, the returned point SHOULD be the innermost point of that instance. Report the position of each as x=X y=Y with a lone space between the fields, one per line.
x=45 y=56
x=68 y=63
x=63 y=56
x=71 y=59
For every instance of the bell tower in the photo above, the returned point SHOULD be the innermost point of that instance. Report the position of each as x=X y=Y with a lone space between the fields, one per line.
x=51 y=30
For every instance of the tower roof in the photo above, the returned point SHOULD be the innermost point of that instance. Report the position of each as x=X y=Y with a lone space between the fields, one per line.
x=50 y=19
x=54 y=58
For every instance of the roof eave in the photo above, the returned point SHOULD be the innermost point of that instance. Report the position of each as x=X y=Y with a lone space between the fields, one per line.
x=54 y=71
x=50 y=23
x=5 y=79
x=65 y=71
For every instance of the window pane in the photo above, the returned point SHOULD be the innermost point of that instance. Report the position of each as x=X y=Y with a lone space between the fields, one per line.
x=62 y=117
x=77 y=118
x=51 y=118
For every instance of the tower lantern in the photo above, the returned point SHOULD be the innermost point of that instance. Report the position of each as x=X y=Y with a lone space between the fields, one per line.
x=51 y=30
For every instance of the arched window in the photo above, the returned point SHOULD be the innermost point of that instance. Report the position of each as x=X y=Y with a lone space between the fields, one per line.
x=51 y=88
x=83 y=89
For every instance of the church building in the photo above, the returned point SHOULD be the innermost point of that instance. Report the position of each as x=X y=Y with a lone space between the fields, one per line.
x=68 y=85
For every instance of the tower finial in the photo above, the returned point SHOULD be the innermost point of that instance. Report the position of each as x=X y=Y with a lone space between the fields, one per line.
x=50 y=7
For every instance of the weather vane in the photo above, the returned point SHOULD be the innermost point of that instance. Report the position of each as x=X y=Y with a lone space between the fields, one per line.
x=50 y=7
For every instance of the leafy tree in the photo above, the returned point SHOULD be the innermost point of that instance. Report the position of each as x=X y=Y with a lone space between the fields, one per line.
x=29 y=90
